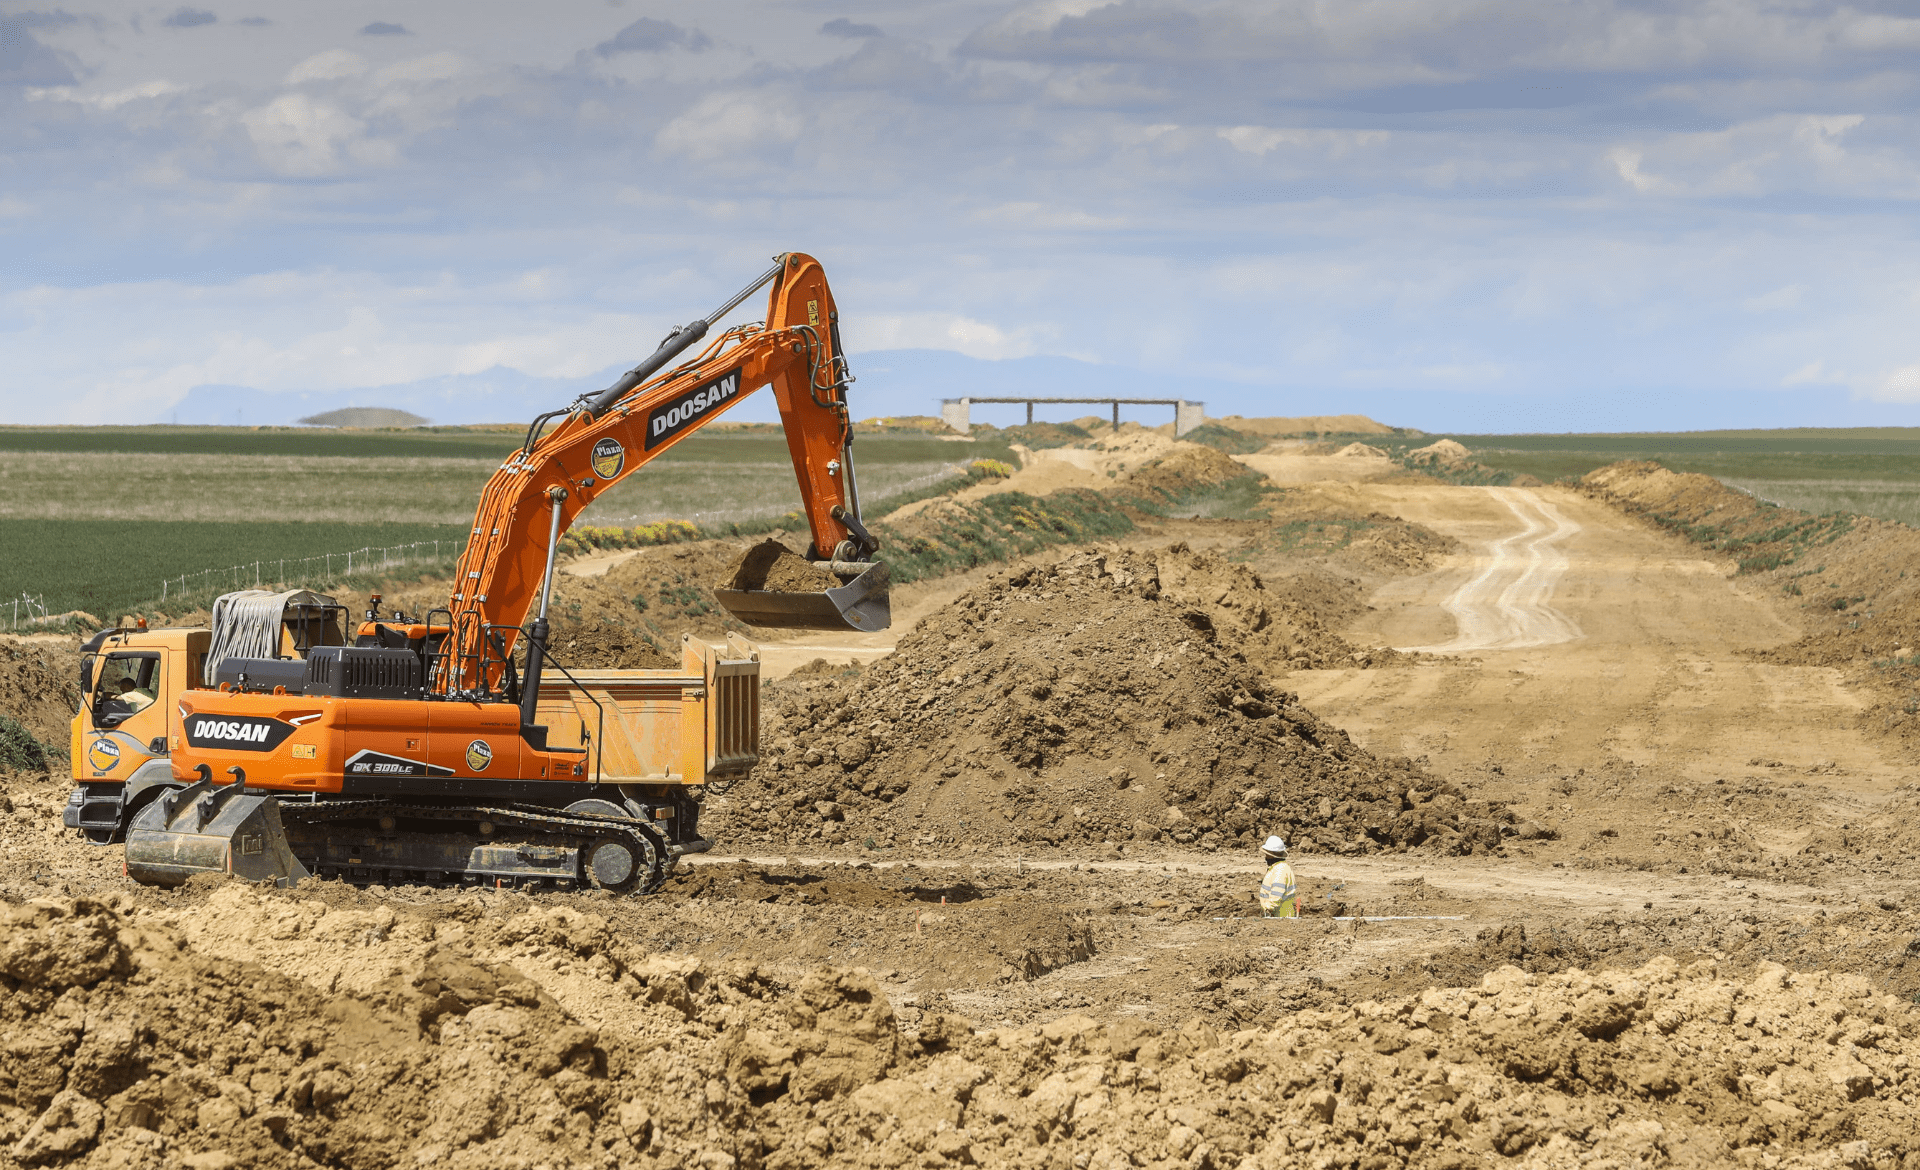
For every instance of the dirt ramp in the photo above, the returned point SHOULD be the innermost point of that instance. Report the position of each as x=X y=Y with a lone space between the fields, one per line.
x=1085 y=701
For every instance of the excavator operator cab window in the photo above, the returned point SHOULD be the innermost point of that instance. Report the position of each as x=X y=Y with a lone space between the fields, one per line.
x=124 y=685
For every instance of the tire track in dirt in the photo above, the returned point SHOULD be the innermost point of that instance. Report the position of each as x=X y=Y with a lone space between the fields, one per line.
x=1507 y=604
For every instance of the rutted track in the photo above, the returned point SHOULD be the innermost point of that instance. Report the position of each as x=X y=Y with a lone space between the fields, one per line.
x=1507 y=604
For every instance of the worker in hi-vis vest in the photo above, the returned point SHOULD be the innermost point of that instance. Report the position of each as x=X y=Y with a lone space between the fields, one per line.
x=1278 y=897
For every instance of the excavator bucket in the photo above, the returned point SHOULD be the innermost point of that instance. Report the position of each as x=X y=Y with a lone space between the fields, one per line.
x=860 y=604
x=208 y=828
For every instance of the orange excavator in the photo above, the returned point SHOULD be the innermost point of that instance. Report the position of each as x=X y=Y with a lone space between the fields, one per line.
x=451 y=747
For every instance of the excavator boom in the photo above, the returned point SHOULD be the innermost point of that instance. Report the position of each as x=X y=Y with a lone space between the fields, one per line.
x=537 y=493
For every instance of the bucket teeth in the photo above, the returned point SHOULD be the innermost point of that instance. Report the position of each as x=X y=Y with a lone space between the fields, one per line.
x=208 y=828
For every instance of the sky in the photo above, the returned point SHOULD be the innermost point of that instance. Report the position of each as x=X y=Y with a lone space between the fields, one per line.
x=1454 y=214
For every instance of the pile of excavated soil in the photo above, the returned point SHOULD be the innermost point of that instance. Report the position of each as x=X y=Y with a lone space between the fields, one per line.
x=774 y=567
x=1103 y=698
x=1185 y=468
x=517 y=1035
x=1359 y=451
x=1444 y=451
x=40 y=689
x=1284 y=624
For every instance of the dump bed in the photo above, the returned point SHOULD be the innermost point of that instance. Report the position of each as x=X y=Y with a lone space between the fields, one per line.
x=681 y=726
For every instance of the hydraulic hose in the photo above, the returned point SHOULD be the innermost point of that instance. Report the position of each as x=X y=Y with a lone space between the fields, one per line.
x=677 y=343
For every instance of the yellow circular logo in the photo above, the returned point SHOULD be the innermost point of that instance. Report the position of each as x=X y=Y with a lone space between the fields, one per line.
x=608 y=458
x=104 y=755
x=479 y=755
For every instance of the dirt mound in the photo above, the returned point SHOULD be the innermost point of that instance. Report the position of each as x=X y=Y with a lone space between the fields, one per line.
x=374 y=1040
x=1225 y=439
x=1286 y=624
x=1757 y=534
x=1187 y=467
x=1444 y=451
x=40 y=690
x=774 y=567
x=1085 y=701
x=1359 y=451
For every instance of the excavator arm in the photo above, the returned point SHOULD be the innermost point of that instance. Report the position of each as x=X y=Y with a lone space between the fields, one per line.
x=599 y=441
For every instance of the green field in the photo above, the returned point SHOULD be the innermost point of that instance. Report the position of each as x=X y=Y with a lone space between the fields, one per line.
x=1874 y=471
x=101 y=565
x=97 y=518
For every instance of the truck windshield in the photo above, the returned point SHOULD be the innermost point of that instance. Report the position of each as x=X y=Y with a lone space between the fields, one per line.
x=126 y=684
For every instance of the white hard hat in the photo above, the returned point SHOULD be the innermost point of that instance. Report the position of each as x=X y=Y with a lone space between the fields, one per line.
x=1273 y=845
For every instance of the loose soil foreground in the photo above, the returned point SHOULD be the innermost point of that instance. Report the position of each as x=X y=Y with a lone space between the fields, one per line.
x=1614 y=867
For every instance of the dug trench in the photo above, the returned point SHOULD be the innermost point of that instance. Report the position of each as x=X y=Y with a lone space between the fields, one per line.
x=993 y=926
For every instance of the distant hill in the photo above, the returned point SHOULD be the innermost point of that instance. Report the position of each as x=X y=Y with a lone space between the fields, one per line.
x=365 y=416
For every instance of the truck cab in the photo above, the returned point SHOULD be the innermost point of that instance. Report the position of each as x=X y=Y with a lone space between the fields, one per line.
x=129 y=723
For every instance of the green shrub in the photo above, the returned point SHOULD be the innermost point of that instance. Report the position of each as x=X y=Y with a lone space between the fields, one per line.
x=19 y=751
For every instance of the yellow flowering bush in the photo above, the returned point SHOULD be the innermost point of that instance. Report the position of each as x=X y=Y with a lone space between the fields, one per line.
x=587 y=538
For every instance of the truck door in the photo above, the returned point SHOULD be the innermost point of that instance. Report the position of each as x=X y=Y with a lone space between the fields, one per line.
x=127 y=716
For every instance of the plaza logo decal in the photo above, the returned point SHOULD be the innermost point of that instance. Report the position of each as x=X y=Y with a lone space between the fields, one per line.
x=609 y=457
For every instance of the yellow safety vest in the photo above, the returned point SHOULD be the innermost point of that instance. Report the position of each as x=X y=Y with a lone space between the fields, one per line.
x=1278 y=898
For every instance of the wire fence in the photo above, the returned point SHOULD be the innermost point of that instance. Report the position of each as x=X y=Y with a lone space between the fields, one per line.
x=35 y=609
x=324 y=567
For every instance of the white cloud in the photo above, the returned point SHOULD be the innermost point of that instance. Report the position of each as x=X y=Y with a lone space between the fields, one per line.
x=1787 y=296
x=1902 y=385
x=726 y=124
x=1773 y=155
x=331 y=65
x=145 y=91
x=296 y=135
x=1042 y=216
x=1814 y=374
x=950 y=331
x=1259 y=140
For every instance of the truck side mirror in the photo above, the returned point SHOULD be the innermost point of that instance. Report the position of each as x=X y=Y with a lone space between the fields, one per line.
x=86 y=674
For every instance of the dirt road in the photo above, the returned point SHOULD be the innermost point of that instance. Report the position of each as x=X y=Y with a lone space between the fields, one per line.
x=1598 y=638
x=1507 y=603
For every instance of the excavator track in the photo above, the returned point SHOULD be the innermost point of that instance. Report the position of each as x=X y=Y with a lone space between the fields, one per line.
x=507 y=848
x=258 y=836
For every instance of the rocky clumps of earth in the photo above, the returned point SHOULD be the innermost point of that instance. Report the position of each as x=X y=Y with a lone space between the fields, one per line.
x=1106 y=697
x=538 y=1036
